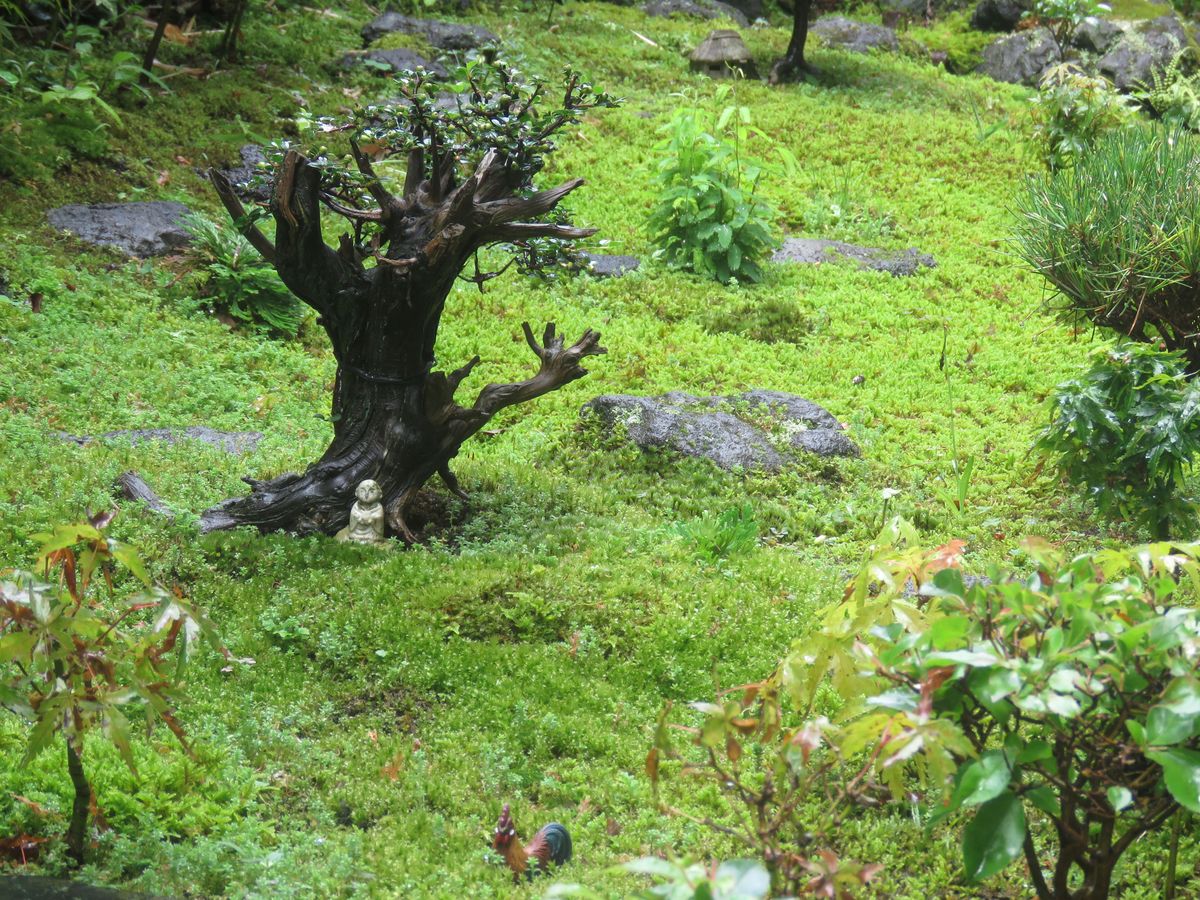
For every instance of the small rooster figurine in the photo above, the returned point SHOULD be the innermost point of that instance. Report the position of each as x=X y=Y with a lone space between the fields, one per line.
x=550 y=845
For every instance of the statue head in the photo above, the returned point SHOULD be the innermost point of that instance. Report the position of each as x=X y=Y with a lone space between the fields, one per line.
x=368 y=492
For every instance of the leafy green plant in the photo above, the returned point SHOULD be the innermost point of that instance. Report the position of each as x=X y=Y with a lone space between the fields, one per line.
x=1070 y=111
x=234 y=279
x=1070 y=693
x=1173 y=94
x=716 y=537
x=1118 y=237
x=1062 y=18
x=72 y=664
x=708 y=217
x=1127 y=432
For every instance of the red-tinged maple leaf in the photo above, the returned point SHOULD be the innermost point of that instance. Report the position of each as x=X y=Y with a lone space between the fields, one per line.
x=948 y=556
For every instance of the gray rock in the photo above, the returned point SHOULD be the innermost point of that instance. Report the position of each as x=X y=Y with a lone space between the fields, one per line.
x=398 y=60
x=895 y=262
x=241 y=176
x=606 y=265
x=998 y=15
x=1096 y=35
x=710 y=427
x=857 y=37
x=443 y=35
x=233 y=442
x=751 y=9
x=1020 y=58
x=700 y=9
x=1147 y=47
x=136 y=229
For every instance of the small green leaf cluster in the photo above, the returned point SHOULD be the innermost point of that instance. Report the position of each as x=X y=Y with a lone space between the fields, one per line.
x=1118 y=236
x=717 y=537
x=708 y=218
x=1127 y=432
x=234 y=279
x=1070 y=111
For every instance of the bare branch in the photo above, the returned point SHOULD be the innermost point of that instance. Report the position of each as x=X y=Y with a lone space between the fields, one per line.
x=559 y=366
x=498 y=212
x=363 y=215
x=523 y=231
x=233 y=206
x=416 y=171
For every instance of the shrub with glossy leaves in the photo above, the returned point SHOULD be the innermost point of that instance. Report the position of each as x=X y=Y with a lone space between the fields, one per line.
x=1118 y=237
x=1068 y=691
x=1127 y=432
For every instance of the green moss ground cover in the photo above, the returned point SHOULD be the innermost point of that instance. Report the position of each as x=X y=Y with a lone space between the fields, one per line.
x=397 y=699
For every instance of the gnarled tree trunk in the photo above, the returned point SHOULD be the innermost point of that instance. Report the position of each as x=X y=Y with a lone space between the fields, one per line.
x=395 y=419
x=793 y=66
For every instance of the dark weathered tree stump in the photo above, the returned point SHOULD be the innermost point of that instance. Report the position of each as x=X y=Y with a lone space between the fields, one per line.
x=395 y=419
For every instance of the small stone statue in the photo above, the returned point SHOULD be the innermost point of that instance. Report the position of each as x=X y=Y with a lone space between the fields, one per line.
x=366 y=516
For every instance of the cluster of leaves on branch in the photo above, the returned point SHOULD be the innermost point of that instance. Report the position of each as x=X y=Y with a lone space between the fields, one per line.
x=488 y=107
x=1117 y=237
x=1070 y=692
x=708 y=217
x=1127 y=432
x=75 y=659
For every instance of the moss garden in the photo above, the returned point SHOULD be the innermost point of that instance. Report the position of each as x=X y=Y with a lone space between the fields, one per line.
x=879 y=620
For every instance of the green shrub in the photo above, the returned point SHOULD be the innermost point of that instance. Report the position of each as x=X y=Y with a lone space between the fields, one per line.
x=1062 y=18
x=1127 y=432
x=235 y=280
x=707 y=220
x=1118 y=237
x=1068 y=691
x=1070 y=111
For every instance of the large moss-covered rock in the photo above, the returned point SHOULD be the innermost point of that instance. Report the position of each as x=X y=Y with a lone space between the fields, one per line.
x=442 y=35
x=1020 y=58
x=857 y=37
x=1145 y=48
x=757 y=430
x=149 y=228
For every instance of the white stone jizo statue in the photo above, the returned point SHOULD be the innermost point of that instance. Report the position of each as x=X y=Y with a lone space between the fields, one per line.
x=366 y=516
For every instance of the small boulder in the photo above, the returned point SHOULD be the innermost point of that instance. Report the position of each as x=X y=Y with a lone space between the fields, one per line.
x=998 y=15
x=1146 y=48
x=607 y=265
x=443 y=35
x=811 y=251
x=713 y=428
x=398 y=60
x=149 y=228
x=857 y=37
x=720 y=54
x=1020 y=58
x=1096 y=35
x=700 y=9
